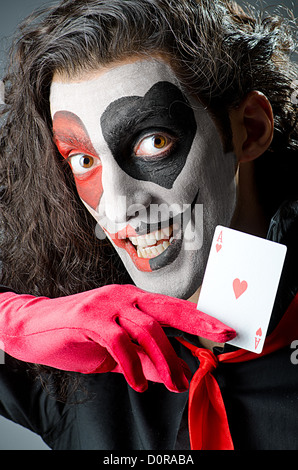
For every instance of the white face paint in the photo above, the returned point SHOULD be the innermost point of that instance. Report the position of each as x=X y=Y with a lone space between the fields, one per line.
x=138 y=146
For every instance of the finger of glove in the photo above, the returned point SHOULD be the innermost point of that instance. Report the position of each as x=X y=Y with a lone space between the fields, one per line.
x=158 y=349
x=89 y=360
x=150 y=370
x=103 y=364
x=184 y=316
x=121 y=348
x=88 y=357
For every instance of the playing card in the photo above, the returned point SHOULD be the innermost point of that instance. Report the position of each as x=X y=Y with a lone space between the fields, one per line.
x=240 y=284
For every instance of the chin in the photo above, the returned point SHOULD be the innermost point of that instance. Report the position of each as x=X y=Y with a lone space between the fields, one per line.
x=180 y=278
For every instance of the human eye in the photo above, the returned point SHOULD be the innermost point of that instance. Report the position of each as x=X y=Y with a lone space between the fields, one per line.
x=81 y=163
x=154 y=145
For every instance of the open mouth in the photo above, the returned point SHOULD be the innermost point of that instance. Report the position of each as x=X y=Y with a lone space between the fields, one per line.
x=150 y=251
x=156 y=249
x=153 y=244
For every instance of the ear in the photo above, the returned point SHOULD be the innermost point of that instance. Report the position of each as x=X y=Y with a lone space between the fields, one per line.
x=253 y=126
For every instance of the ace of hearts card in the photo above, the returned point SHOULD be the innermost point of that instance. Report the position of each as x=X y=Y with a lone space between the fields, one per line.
x=240 y=284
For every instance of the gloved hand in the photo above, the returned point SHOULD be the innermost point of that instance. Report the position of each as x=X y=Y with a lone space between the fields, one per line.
x=112 y=328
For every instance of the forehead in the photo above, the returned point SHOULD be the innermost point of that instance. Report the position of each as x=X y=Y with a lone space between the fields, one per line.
x=97 y=91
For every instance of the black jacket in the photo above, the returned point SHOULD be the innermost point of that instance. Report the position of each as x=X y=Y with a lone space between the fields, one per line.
x=261 y=396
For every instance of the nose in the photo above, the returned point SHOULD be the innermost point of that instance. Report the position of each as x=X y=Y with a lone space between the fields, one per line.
x=124 y=197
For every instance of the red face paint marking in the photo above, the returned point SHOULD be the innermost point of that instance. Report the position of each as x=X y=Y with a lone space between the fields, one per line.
x=90 y=189
x=126 y=232
x=120 y=239
x=71 y=138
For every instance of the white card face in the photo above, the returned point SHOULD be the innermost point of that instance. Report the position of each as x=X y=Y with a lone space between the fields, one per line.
x=240 y=284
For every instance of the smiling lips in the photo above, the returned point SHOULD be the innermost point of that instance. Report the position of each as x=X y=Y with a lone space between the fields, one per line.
x=143 y=248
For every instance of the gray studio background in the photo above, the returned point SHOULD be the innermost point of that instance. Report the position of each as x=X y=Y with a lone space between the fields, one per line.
x=13 y=436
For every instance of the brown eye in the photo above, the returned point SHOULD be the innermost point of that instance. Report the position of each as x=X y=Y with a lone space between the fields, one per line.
x=153 y=145
x=86 y=161
x=82 y=163
x=160 y=142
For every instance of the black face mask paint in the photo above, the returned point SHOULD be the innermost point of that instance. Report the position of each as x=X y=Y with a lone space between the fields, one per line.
x=164 y=109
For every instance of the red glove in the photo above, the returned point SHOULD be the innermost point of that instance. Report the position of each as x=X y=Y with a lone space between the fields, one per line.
x=97 y=331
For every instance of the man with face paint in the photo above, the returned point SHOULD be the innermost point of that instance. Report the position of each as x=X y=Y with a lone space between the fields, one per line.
x=158 y=142
x=151 y=149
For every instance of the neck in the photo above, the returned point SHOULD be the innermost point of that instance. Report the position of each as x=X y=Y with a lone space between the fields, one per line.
x=249 y=216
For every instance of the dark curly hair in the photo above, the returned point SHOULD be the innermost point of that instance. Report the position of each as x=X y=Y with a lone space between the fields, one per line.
x=219 y=52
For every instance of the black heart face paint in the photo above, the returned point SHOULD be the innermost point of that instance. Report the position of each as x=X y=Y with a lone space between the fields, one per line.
x=152 y=170
x=165 y=109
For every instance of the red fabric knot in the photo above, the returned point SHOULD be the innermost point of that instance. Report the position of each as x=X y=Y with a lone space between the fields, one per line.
x=208 y=361
x=208 y=423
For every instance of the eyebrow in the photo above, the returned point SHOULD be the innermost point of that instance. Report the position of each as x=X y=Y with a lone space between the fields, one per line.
x=120 y=119
x=68 y=129
x=162 y=106
x=72 y=140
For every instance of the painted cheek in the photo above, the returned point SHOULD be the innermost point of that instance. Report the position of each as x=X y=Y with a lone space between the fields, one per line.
x=90 y=187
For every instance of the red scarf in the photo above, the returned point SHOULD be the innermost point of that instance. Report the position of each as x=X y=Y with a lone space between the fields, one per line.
x=206 y=410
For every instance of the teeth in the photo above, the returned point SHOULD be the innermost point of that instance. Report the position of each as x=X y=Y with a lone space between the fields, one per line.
x=142 y=242
x=150 y=239
x=160 y=249
x=147 y=245
x=151 y=252
x=167 y=231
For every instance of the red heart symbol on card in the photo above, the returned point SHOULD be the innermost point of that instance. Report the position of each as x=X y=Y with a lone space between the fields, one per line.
x=259 y=332
x=218 y=247
x=239 y=287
